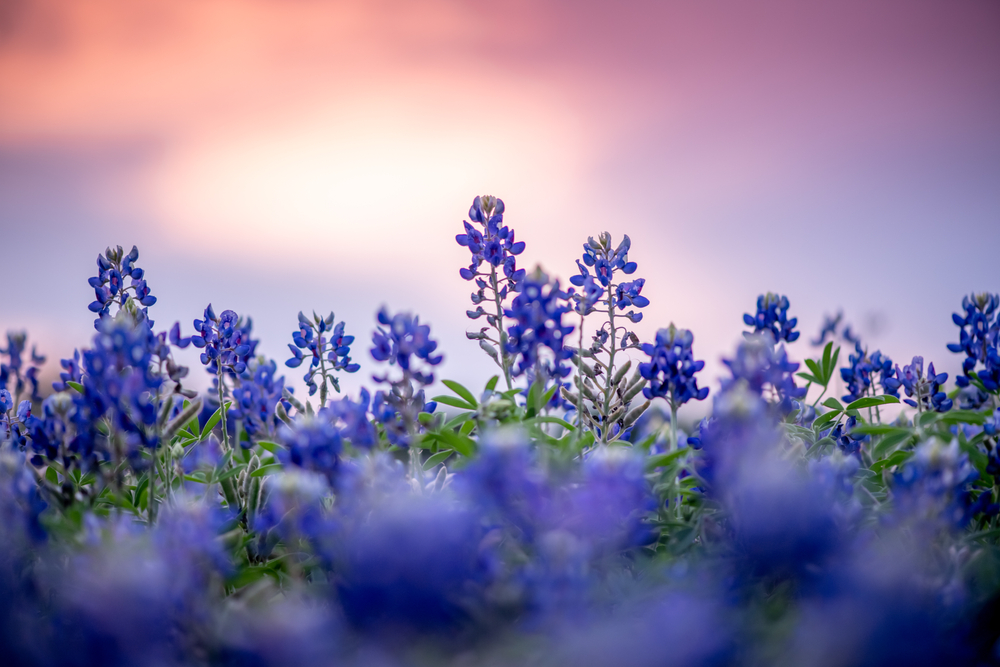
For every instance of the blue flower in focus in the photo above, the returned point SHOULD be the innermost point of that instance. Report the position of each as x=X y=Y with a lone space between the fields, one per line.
x=226 y=341
x=672 y=367
x=493 y=244
x=925 y=392
x=772 y=317
x=109 y=283
x=861 y=374
x=606 y=261
x=980 y=333
x=326 y=343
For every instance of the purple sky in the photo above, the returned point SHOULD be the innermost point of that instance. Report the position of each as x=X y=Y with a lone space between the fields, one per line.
x=276 y=156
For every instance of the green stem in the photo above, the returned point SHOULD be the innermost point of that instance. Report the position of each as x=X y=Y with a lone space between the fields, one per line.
x=322 y=369
x=611 y=364
x=579 y=390
x=673 y=427
x=504 y=359
x=222 y=410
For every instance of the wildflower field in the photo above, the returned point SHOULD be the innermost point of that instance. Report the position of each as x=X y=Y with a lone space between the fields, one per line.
x=560 y=515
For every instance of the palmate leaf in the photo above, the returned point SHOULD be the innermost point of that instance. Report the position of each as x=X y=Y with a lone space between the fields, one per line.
x=871 y=401
x=454 y=402
x=461 y=391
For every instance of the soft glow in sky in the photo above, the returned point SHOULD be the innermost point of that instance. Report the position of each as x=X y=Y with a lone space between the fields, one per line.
x=275 y=156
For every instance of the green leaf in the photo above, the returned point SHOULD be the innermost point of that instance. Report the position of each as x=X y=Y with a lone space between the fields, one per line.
x=232 y=472
x=892 y=460
x=816 y=370
x=833 y=360
x=467 y=427
x=454 y=402
x=889 y=442
x=437 y=458
x=455 y=421
x=461 y=391
x=269 y=446
x=551 y=420
x=188 y=412
x=809 y=378
x=51 y=475
x=548 y=396
x=492 y=384
x=878 y=429
x=871 y=402
x=214 y=419
x=833 y=404
x=462 y=444
x=964 y=417
x=825 y=363
x=661 y=460
x=823 y=420
x=75 y=385
x=533 y=392
x=928 y=418
x=267 y=470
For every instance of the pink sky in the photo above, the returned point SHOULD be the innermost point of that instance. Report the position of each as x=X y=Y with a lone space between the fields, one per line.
x=275 y=156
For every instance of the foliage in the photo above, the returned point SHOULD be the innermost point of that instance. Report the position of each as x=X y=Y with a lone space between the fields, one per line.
x=556 y=518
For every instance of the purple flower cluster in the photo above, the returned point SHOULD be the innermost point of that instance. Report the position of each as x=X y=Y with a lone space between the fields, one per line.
x=326 y=343
x=494 y=244
x=537 y=315
x=672 y=367
x=979 y=340
x=109 y=283
x=772 y=318
x=226 y=341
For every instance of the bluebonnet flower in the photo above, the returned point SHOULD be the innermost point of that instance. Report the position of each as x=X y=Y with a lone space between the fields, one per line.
x=831 y=328
x=588 y=296
x=312 y=443
x=406 y=344
x=333 y=348
x=72 y=372
x=537 y=313
x=847 y=442
x=139 y=598
x=935 y=485
x=980 y=334
x=356 y=426
x=13 y=366
x=21 y=500
x=495 y=246
x=256 y=397
x=764 y=368
x=672 y=367
x=226 y=341
x=109 y=283
x=772 y=317
x=925 y=389
x=606 y=262
x=860 y=376
x=413 y=564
